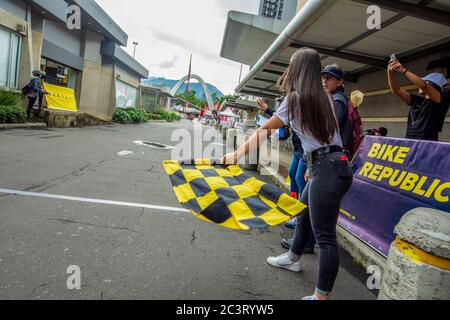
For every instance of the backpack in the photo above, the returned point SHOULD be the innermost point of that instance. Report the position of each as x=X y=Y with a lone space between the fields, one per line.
x=352 y=132
x=27 y=88
x=284 y=133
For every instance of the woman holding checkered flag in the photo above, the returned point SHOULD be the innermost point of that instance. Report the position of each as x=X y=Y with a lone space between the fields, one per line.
x=309 y=111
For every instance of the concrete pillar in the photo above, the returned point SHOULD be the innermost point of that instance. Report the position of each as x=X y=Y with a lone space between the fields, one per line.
x=249 y=129
x=418 y=266
x=231 y=138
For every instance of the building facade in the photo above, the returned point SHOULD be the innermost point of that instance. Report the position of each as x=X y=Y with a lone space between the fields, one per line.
x=90 y=59
x=278 y=9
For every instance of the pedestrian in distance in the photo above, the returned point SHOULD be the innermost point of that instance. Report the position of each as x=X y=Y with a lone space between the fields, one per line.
x=34 y=90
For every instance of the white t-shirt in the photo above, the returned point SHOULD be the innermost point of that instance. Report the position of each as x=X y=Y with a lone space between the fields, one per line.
x=309 y=143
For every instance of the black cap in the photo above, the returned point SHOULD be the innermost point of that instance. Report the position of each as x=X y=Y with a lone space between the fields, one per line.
x=335 y=71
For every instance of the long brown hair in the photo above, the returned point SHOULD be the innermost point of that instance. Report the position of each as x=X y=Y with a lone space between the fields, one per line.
x=308 y=103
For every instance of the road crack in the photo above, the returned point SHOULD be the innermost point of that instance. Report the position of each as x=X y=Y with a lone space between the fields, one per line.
x=256 y=294
x=193 y=237
x=54 y=182
x=38 y=287
x=93 y=225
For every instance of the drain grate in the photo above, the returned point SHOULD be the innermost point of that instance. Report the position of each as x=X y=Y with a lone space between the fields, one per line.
x=154 y=145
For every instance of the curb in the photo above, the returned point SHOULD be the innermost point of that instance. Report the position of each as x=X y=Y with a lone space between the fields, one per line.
x=361 y=253
x=6 y=126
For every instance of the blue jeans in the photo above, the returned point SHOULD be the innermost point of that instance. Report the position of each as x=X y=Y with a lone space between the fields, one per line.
x=298 y=183
x=297 y=173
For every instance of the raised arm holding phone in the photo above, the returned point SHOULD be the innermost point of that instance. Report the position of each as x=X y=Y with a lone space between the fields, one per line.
x=429 y=108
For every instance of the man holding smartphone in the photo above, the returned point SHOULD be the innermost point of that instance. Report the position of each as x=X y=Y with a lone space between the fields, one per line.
x=429 y=108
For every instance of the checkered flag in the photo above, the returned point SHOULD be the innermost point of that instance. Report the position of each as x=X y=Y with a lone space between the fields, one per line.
x=227 y=196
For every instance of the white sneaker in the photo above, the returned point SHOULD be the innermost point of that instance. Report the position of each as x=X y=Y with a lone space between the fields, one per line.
x=313 y=297
x=285 y=262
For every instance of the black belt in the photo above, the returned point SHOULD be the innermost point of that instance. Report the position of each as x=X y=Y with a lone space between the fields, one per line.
x=310 y=156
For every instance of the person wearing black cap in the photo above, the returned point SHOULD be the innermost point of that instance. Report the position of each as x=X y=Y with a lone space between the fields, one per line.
x=429 y=108
x=333 y=82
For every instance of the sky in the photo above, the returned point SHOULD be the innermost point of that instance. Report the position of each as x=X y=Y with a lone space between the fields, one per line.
x=168 y=31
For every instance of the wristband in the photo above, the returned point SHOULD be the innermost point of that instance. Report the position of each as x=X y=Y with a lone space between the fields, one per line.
x=406 y=71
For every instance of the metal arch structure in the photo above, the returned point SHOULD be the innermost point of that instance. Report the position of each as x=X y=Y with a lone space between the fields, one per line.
x=177 y=87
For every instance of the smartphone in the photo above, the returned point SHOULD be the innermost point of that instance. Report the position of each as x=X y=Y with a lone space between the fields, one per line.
x=393 y=58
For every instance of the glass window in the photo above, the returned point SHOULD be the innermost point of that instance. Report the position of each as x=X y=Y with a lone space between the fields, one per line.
x=9 y=58
x=270 y=8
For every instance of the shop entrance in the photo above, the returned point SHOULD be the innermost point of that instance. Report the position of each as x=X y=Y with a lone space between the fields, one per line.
x=58 y=74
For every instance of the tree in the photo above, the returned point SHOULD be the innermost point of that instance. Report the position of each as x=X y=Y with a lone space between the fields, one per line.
x=214 y=97
x=191 y=98
x=223 y=98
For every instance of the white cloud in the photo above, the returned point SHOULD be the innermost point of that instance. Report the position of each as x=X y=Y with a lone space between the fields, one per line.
x=166 y=64
x=169 y=31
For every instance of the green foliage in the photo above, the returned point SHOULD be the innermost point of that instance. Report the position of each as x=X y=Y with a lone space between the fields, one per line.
x=122 y=116
x=214 y=97
x=153 y=116
x=130 y=115
x=168 y=115
x=191 y=97
x=12 y=114
x=9 y=98
x=137 y=115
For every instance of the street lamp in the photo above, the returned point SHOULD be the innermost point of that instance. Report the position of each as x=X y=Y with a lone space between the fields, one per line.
x=134 y=52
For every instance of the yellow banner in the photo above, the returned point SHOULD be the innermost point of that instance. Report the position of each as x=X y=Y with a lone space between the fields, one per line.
x=60 y=98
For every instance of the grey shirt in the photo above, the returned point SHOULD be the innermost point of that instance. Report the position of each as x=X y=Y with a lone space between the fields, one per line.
x=309 y=143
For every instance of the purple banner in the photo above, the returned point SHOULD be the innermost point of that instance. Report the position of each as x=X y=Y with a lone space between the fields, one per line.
x=392 y=177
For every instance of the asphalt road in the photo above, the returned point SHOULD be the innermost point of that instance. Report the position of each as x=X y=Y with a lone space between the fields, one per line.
x=128 y=252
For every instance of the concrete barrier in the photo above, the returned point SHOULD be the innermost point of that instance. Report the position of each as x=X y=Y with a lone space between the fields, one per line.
x=418 y=266
x=23 y=125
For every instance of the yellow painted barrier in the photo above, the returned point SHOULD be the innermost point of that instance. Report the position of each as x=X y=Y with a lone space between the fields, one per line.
x=419 y=256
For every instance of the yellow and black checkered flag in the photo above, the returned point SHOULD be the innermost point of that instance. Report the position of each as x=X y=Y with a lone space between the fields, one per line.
x=227 y=196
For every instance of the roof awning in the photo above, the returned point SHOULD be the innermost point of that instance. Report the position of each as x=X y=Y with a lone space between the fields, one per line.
x=228 y=113
x=248 y=36
x=337 y=29
x=160 y=90
x=54 y=10
x=112 y=50
x=97 y=20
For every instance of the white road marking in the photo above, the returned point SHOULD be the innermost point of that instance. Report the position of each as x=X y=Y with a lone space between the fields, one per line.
x=125 y=153
x=89 y=200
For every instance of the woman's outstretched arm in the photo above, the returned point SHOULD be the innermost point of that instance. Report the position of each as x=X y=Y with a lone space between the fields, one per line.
x=258 y=137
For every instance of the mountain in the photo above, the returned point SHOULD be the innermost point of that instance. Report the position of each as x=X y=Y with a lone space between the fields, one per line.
x=169 y=84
